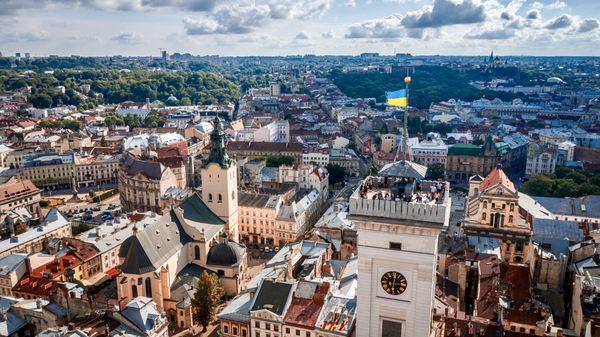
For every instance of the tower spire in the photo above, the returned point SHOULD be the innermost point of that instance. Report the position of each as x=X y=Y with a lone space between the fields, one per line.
x=218 y=151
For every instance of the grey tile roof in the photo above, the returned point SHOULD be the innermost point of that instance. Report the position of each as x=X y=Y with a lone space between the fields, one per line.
x=238 y=309
x=273 y=296
x=588 y=206
x=147 y=250
x=256 y=200
x=11 y=262
x=185 y=284
x=150 y=169
x=152 y=246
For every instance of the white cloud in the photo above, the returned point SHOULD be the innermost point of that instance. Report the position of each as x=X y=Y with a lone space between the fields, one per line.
x=556 y=5
x=559 y=22
x=587 y=25
x=445 y=13
x=386 y=27
x=328 y=35
x=498 y=34
x=302 y=36
x=127 y=38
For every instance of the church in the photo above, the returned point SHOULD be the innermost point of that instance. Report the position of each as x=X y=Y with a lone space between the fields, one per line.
x=164 y=260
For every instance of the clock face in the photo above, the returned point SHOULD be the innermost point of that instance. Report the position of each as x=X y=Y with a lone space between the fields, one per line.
x=393 y=283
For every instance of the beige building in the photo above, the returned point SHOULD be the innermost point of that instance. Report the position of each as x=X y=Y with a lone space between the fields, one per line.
x=493 y=211
x=142 y=183
x=94 y=171
x=12 y=268
x=257 y=213
x=389 y=142
x=32 y=241
x=20 y=194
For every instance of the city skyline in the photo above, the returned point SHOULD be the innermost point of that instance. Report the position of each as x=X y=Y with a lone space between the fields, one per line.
x=324 y=27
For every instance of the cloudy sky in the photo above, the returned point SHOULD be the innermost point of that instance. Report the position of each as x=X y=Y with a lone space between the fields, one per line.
x=285 y=27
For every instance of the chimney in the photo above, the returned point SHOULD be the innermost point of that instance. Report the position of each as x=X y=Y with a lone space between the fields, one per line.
x=38 y=303
x=135 y=230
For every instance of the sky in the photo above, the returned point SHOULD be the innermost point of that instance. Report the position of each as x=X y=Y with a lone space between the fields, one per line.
x=291 y=27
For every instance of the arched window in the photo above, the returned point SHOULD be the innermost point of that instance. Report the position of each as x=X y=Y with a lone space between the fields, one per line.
x=510 y=219
x=196 y=252
x=483 y=216
x=512 y=207
x=148 y=287
x=485 y=204
x=134 y=292
x=220 y=198
x=209 y=197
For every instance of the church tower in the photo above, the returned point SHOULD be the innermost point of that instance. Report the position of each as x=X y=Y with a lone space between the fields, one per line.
x=398 y=221
x=220 y=181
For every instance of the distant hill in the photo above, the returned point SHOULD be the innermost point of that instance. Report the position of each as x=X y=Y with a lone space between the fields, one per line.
x=429 y=84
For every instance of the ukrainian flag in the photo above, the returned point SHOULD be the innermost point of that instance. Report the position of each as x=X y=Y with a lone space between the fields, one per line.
x=397 y=98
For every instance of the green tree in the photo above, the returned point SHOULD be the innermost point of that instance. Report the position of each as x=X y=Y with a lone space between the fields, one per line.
x=436 y=171
x=41 y=101
x=280 y=160
x=442 y=128
x=538 y=185
x=337 y=174
x=206 y=300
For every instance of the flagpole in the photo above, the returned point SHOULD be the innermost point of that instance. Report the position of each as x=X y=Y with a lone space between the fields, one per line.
x=405 y=131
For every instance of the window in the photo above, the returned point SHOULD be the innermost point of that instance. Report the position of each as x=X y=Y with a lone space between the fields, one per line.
x=485 y=204
x=234 y=330
x=396 y=245
x=510 y=219
x=148 y=287
x=297 y=332
x=209 y=197
x=220 y=198
x=196 y=253
x=483 y=216
x=391 y=329
x=225 y=329
x=134 y=292
x=257 y=324
x=287 y=330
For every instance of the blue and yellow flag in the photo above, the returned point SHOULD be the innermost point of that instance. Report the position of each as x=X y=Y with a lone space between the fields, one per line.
x=397 y=98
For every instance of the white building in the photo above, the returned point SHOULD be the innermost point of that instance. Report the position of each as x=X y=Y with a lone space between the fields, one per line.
x=276 y=131
x=431 y=150
x=319 y=158
x=540 y=159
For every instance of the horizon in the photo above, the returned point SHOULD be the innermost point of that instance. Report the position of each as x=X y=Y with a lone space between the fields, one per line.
x=283 y=27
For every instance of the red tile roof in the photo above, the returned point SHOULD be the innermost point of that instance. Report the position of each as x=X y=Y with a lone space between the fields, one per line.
x=58 y=266
x=497 y=176
x=304 y=312
x=35 y=285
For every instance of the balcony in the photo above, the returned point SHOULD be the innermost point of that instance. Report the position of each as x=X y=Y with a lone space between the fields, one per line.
x=402 y=199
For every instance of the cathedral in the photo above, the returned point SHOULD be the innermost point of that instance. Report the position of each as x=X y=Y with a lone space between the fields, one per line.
x=164 y=260
x=493 y=212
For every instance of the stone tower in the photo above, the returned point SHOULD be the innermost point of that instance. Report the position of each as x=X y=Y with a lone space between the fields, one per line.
x=220 y=181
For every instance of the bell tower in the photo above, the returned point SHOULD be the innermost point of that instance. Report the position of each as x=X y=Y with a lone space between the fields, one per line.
x=220 y=181
x=398 y=220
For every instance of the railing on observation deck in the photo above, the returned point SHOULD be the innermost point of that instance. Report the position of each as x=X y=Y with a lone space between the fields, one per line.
x=434 y=212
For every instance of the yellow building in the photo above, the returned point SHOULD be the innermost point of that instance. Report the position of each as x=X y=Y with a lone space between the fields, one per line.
x=493 y=212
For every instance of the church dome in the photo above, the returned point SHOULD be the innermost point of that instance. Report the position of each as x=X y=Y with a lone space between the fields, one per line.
x=224 y=254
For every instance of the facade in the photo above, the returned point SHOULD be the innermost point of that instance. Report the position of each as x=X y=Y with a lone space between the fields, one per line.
x=20 y=194
x=541 y=159
x=257 y=213
x=429 y=151
x=493 y=212
x=397 y=243
x=347 y=159
x=55 y=226
x=12 y=268
x=142 y=183
x=467 y=160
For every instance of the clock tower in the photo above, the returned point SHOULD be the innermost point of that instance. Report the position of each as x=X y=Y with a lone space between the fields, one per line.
x=398 y=219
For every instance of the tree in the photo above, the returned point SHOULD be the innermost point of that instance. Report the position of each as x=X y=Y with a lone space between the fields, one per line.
x=41 y=101
x=435 y=171
x=442 y=128
x=538 y=185
x=337 y=174
x=280 y=160
x=206 y=299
